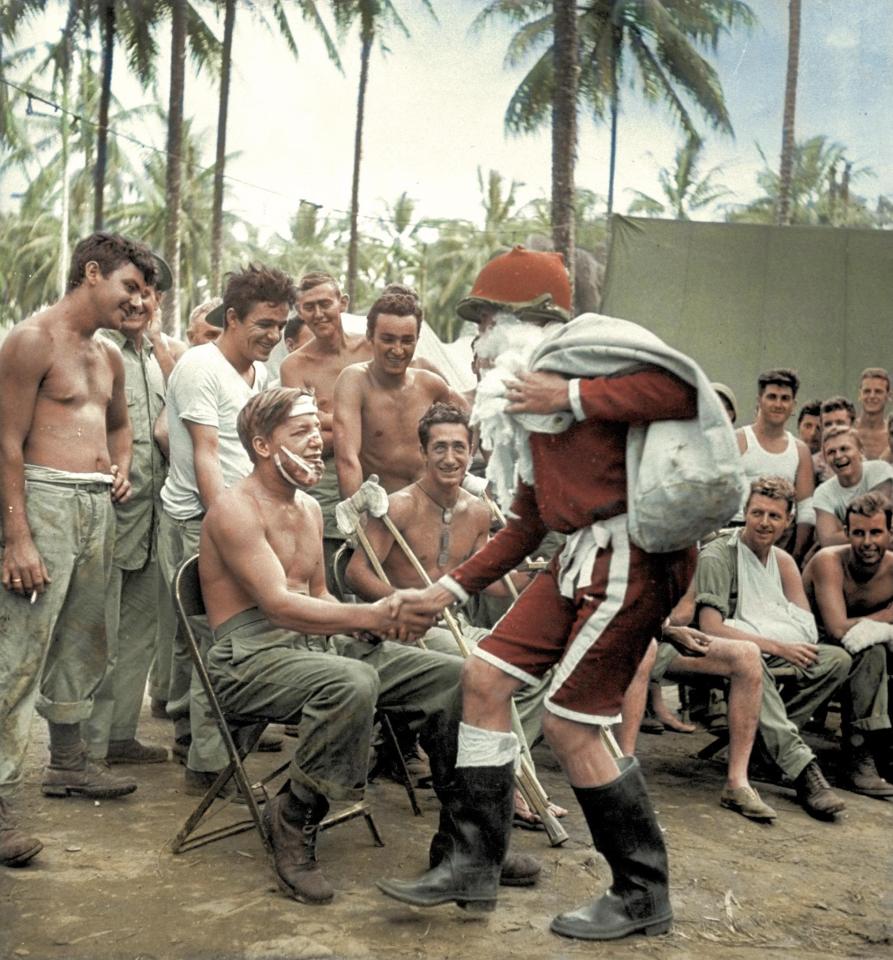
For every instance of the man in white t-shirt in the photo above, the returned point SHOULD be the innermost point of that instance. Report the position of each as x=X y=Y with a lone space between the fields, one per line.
x=209 y=386
x=853 y=476
x=768 y=450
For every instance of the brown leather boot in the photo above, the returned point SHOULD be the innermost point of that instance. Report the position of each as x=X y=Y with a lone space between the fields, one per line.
x=15 y=848
x=862 y=774
x=292 y=827
x=815 y=793
x=84 y=779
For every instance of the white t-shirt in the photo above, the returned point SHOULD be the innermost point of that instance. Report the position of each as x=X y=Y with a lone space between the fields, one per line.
x=205 y=388
x=833 y=498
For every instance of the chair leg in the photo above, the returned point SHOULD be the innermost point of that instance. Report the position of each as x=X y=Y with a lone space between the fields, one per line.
x=401 y=764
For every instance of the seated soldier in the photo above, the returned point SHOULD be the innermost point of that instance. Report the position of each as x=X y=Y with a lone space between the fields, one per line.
x=261 y=569
x=853 y=476
x=687 y=655
x=444 y=525
x=746 y=588
x=850 y=587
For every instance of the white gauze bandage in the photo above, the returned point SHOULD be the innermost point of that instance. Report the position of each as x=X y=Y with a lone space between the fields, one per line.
x=303 y=405
x=486 y=748
x=866 y=633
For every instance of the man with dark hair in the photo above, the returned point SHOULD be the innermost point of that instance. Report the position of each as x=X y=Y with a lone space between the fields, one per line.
x=874 y=394
x=132 y=599
x=378 y=404
x=209 y=386
x=809 y=425
x=834 y=412
x=261 y=570
x=850 y=587
x=768 y=449
x=65 y=455
x=296 y=333
x=852 y=476
x=746 y=588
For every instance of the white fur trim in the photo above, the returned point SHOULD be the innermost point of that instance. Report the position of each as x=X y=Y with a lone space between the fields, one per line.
x=454 y=587
x=485 y=748
x=573 y=392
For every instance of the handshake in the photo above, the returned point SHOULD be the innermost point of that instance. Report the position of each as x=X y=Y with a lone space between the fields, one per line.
x=407 y=614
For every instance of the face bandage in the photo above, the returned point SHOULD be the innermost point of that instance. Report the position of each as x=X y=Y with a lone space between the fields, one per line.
x=305 y=404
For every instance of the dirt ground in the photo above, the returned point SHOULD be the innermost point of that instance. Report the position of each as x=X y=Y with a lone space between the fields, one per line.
x=106 y=885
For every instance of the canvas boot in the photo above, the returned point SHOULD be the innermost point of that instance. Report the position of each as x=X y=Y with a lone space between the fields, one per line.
x=292 y=827
x=132 y=751
x=479 y=803
x=626 y=833
x=16 y=849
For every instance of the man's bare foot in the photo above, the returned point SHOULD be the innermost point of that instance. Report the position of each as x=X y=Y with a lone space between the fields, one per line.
x=666 y=716
x=529 y=819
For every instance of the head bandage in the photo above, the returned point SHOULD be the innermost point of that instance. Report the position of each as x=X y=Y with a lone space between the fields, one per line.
x=303 y=405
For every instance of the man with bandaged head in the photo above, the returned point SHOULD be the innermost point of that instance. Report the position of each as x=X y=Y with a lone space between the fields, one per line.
x=556 y=409
x=284 y=648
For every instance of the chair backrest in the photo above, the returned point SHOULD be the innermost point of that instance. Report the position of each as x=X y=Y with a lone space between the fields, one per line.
x=339 y=571
x=188 y=589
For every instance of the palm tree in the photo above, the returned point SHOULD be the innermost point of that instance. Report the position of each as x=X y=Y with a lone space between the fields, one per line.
x=662 y=39
x=790 y=106
x=685 y=190
x=564 y=129
x=821 y=177
x=374 y=17
x=310 y=12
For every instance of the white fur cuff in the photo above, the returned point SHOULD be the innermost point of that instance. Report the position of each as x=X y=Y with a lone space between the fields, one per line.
x=485 y=748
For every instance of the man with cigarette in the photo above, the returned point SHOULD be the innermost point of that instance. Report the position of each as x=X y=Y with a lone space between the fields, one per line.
x=65 y=444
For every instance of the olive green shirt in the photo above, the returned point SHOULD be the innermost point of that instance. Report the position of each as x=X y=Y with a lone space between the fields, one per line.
x=136 y=519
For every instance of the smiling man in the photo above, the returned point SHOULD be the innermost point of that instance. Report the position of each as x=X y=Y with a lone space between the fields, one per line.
x=768 y=449
x=65 y=444
x=746 y=588
x=209 y=386
x=378 y=404
x=874 y=394
x=282 y=648
x=853 y=476
x=851 y=589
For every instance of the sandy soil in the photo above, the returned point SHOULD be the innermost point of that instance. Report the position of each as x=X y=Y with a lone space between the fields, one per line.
x=106 y=885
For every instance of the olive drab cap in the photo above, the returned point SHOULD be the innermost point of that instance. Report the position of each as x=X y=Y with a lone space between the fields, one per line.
x=530 y=283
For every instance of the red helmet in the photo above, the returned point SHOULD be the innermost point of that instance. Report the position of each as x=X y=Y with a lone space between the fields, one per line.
x=529 y=283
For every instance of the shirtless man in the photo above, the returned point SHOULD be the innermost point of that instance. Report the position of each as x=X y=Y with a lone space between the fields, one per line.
x=378 y=404
x=64 y=458
x=874 y=394
x=850 y=588
x=768 y=449
x=261 y=571
x=444 y=525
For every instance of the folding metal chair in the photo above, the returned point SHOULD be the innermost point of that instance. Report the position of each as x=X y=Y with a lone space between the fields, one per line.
x=189 y=604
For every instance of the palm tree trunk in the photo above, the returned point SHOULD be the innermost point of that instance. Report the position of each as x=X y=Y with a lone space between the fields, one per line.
x=368 y=36
x=616 y=39
x=99 y=170
x=229 y=26
x=64 y=229
x=790 y=104
x=171 y=307
x=564 y=131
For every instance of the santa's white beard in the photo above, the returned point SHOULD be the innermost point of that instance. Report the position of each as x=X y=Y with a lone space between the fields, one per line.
x=509 y=345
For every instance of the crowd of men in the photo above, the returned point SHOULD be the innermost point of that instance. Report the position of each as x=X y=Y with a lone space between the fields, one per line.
x=124 y=452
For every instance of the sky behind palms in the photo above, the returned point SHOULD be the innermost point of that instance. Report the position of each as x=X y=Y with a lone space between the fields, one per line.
x=435 y=112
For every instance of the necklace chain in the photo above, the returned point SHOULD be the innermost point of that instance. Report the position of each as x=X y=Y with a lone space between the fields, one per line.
x=446 y=516
x=446 y=512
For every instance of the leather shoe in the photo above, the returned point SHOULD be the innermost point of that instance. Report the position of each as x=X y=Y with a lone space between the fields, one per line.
x=88 y=779
x=292 y=827
x=815 y=793
x=16 y=849
x=132 y=751
x=747 y=802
